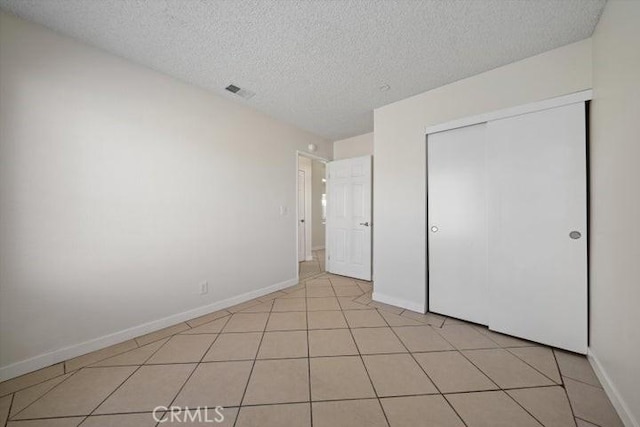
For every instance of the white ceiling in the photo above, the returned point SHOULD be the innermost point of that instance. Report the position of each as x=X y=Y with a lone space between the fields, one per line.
x=319 y=64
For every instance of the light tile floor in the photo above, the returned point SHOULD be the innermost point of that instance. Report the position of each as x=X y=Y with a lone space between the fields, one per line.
x=311 y=268
x=320 y=353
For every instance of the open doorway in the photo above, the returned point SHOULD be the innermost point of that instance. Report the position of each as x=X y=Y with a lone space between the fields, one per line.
x=311 y=215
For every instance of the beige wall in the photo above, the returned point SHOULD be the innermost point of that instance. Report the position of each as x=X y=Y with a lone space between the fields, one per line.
x=400 y=155
x=615 y=204
x=361 y=145
x=318 y=188
x=121 y=189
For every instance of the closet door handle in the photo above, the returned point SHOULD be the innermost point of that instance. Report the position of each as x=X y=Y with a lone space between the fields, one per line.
x=575 y=235
x=366 y=224
x=434 y=229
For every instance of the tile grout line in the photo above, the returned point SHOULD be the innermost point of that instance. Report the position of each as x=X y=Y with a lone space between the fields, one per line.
x=498 y=389
x=525 y=409
x=474 y=365
x=281 y=404
x=309 y=358
x=227 y=320
x=566 y=393
x=444 y=396
x=66 y=416
x=580 y=381
x=124 y=381
x=39 y=382
x=569 y=399
x=92 y=367
x=555 y=358
x=587 y=421
x=533 y=367
x=84 y=416
x=204 y=354
x=253 y=365
x=534 y=345
x=6 y=422
x=308 y=330
x=562 y=376
x=411 y=354
x=504 y=391
x=40 y=397
x=232 y=406
x=423 y=370
x=500 y=347
x=228 y=313
x=135 y=341
x=204 y=324
x=375 y=392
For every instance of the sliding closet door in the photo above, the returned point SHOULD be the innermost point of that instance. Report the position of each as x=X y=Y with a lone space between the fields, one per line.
x=538 y=226
x=457 y=223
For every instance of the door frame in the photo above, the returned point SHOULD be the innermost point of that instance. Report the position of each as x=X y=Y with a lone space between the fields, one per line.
x=302 y=206
x=559 y=101
x=295 y=223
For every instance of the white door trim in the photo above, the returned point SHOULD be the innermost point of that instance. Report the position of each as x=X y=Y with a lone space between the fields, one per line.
x=301 y=213
x=546 y=104
x=299 y=153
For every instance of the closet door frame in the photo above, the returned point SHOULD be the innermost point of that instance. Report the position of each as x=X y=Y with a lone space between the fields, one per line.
x=582 y=96
x=573 y=98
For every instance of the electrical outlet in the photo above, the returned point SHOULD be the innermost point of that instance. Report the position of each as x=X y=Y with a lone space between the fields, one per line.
x=204 y=288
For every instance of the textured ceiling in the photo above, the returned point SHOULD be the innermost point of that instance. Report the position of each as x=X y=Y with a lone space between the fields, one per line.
x=319 y=64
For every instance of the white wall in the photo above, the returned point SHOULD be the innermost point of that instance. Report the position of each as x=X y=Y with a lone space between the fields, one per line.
x=318 y=188
x=121 y=189
x=304 y=164
x=361 y=145
x=400 y=155
x=615 y=204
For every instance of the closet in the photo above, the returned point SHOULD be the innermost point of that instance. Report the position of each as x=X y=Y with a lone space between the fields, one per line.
x=507 y=223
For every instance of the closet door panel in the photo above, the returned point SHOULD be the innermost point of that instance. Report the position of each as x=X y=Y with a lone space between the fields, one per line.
x=457 y=223
x=537 y=206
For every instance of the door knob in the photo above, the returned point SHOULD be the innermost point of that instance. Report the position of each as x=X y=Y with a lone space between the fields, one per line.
x=575 y=235
x=434 y=229
x=302 y=220
x=366 y=224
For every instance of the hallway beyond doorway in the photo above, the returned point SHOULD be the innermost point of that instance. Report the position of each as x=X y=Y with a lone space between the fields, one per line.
x=313 y=267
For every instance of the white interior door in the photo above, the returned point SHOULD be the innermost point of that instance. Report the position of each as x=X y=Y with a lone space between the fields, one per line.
x=302 y=235
x=457 y=221
x=538 y=226
x=349 y=219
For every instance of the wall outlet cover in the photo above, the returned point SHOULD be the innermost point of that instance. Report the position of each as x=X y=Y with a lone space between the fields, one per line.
x=204 y=288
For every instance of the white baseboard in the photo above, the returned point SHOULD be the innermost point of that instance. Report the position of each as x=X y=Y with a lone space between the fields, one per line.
x=398 y=302
x=60 y=355
x=317 y=248
x=627 y=417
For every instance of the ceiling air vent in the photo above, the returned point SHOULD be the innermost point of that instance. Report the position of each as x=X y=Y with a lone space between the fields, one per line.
x=242 y=93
